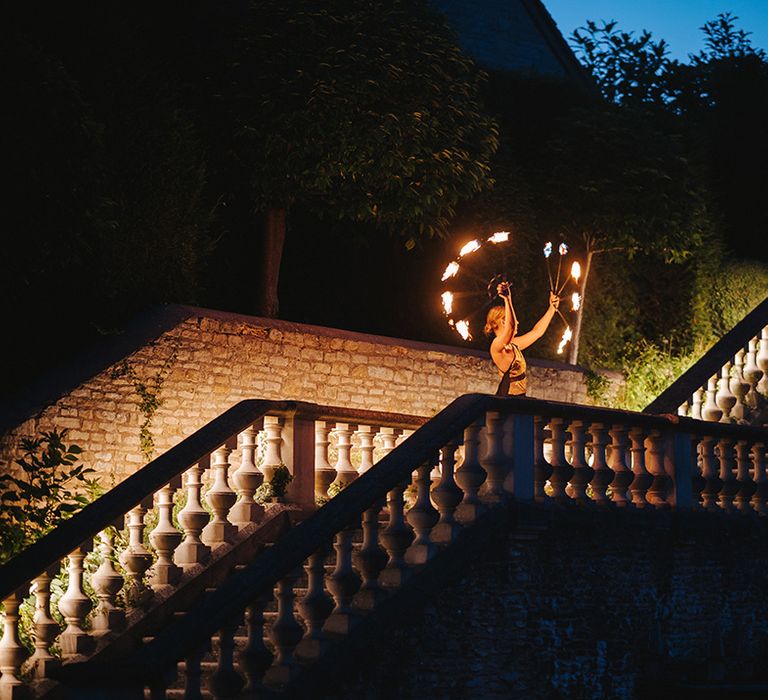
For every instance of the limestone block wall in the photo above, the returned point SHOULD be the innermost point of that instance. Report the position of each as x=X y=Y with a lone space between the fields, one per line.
x=222 y=358
x=596 y=604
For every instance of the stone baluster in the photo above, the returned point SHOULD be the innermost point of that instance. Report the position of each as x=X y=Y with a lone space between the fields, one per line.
x=44 y=628
x=447 y=496
x=697 y=402
x=710 y=410
x=192 y=518
x=582 y=472
x=561 y=470
x=709 y=472
x=684 y=409
x=220 y=499
x=495 y=460
x=746 y=487
x=324 y=472
x=286 y=632
x=603 y=476
x=752 y=373
x=225 y=681
x=760 y=497
x=345 y=472
x=74 y=607
x=388 y=437
x=761 y=359
x=12 y=651
x=698 y=482
x=107 y=583
x=542 y=469
x=724 y=398
x=726 y=457
x=255 y=658
x=273 y=444
x=136 y=560
x=246 y=479
x=315 y=607
x=165 y=538
x=470 y=475
x=193 y=675
x=642 y=479
x=617 y=461
x=365 y=434
x=659 y=488
x=423 y=516
x=343 y=583
x=396 y=538
x=371 y=559
x=739 y=387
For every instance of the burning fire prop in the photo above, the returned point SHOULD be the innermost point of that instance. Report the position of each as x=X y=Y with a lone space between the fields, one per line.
x=556 y=288
x=466 y=270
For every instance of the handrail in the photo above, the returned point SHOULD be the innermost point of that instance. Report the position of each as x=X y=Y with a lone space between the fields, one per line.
x=677 y=393
x=98 y=515
x=222 y=605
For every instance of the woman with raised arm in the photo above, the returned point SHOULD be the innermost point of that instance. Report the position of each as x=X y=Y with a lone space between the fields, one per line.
x=507 y=347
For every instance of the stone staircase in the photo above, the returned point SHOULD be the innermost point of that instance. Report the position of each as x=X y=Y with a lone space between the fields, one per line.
x=729 y=383
x=234 y=600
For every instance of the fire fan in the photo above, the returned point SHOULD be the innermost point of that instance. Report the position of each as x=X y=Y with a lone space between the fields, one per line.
x=471 y=279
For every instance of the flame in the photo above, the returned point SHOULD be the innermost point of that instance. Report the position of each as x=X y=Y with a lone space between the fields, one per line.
x=470 y=247
x=447 y=302
x=564 y=340
x=575 y=301
x=451 y=270
x=563 y=249
x=499 y=237
x=547 y=249
x=576 y=270
x=463 y=329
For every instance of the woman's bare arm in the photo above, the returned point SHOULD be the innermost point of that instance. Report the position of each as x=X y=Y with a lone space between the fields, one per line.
x=540 y=327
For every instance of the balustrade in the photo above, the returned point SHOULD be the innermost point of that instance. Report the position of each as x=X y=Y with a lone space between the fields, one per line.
x=732 y=395
x=633 y=463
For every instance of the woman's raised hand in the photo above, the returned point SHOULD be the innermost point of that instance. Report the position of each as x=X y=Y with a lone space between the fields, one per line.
x=554 y=300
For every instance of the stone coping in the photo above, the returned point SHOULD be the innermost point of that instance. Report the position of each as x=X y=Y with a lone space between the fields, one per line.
x=153 y=323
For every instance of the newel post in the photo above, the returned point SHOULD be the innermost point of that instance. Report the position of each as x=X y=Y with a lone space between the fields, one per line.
x=298 y=455
x=522 y=457
x=679 y=464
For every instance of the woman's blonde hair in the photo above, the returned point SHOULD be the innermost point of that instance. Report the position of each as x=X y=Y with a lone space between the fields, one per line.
x=493 y=320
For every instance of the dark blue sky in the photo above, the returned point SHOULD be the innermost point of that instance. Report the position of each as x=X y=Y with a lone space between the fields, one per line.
x=677 y=21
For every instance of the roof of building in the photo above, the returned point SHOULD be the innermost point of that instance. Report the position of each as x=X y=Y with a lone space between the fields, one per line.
x=513 y=35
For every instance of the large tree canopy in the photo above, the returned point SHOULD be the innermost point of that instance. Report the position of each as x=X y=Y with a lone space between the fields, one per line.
x=364 y=111
x=158 y=148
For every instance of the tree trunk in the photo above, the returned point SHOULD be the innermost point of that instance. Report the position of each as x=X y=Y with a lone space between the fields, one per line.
x=573 y=354
x=270 y=253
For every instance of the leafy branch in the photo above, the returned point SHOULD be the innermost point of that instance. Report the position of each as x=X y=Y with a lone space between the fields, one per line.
x=44 y=496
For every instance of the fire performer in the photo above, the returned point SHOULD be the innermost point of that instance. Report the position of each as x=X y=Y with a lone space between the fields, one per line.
x=507 y=347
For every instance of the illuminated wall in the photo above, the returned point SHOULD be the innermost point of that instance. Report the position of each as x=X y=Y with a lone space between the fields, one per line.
x=222 y=358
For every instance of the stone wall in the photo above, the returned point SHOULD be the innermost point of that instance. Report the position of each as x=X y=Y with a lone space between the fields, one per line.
x=222 y=358
x=596 y=604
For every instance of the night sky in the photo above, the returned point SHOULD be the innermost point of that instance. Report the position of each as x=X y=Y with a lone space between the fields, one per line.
x=676 y=21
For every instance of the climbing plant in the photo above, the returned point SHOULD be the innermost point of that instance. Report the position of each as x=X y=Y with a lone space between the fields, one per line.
x=148 y=395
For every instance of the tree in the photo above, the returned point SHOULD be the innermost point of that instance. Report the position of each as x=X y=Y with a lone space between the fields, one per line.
x=609 y=180
x=105 y=209
x=715 y=109
x=365 y=111
x=621 y=184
